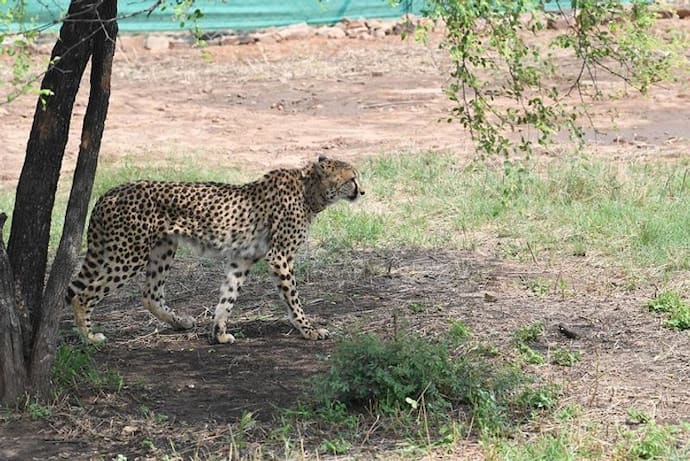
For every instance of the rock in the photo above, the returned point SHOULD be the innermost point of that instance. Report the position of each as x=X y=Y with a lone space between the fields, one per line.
x=558 y=22
x=296 y=32
x=321 y=31
x=373 y=24
x=183 y=41
x=336 y=32
x=229 y=40
x=331 y=32
x=157 y=43
x=356 y=32
x=400 y=28
x=238 y=40
x=129 y=42
x=379 y=33
x=352 y=23
x=128 y=430
x=265 y=37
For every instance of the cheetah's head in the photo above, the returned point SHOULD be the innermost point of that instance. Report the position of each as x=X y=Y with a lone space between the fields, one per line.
x=335 y=180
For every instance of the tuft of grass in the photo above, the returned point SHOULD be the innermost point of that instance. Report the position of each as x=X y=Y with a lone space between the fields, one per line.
x=670 y=302
x=336 y=446
x=637 y=416
x=459 y=332
x=529 y=355
x=417 y=308
x=74 y=368
x=347 y=229
x=539 y=286
x=523 y=336
x=637 y=216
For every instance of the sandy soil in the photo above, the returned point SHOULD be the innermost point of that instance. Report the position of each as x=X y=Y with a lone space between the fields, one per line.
x=280 y=104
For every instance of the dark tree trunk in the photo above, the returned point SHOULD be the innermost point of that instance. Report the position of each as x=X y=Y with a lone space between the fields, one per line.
x=12 y=366
x=28 y=244
x=67 y=257
x=89 y=30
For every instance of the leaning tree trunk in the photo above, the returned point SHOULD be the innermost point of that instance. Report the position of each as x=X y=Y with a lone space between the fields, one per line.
x=89 y=31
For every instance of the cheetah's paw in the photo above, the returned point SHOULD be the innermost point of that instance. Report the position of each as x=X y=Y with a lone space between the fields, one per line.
x=183 y=323
x=97 y=338
x=217 y=336
x=314 y=334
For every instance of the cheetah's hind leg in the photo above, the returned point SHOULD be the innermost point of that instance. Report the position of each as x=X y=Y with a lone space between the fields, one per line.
x=160 y=257
x=94 y=282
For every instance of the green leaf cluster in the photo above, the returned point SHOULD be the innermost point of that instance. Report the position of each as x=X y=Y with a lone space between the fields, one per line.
x=511 y=89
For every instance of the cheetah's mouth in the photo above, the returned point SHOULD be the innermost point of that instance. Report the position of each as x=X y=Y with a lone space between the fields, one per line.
x=356 y=192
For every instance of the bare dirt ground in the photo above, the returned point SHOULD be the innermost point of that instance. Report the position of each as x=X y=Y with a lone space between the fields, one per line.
x=262 y=106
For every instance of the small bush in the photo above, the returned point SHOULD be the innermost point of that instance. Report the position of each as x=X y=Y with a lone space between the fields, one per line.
x=565 y=358
x=670 y=302
x=529 y=333
x=38 y=411
x=408 y=373
x=529 y=355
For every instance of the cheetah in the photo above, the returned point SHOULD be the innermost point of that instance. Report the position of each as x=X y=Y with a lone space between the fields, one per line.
x=138 y=226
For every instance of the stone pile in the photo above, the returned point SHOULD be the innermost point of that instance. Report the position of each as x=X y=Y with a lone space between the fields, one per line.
x=360 y=29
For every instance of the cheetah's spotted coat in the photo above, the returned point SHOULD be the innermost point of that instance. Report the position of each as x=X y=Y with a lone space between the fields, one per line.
x=138 y=226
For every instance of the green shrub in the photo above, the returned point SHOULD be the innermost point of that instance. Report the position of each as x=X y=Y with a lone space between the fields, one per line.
x=403 y=374
x=565 y=357
x=529 y=333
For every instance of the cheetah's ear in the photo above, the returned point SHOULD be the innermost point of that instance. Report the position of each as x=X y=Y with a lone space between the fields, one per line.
x=322 y=158
x=318 y=169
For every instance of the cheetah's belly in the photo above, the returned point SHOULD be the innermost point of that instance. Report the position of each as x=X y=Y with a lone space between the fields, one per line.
x=252 y=246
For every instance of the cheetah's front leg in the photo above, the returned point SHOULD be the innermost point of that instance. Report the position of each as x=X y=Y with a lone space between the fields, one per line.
x=282 y=269
x=237 y=272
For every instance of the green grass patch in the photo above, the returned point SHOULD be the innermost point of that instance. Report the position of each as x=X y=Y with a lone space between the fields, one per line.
x=656 y=441
x=38 y=410
x=638 y=215
x=529 y=333
x=575 y=439
x=677 y=310
x=523 y=338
